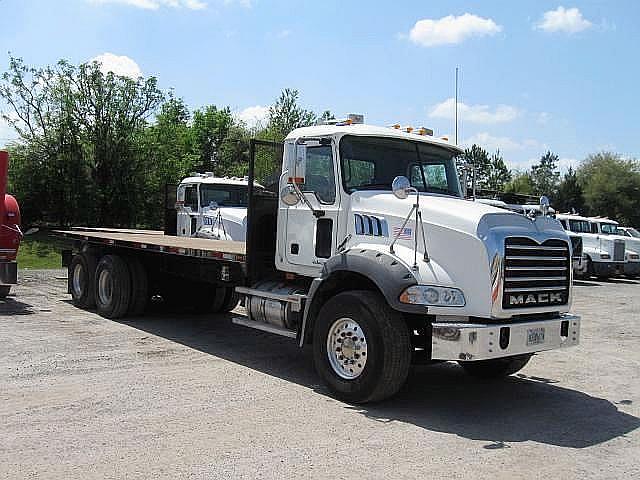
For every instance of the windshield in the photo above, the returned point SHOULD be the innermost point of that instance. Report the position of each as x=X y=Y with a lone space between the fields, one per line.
x=579 y=226
x=223 y=195
x=371 y=163
x=609 y=228
x=633 y=232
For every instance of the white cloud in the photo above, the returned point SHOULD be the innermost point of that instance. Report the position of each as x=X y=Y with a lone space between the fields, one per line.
x=565 y=163
x=283 y=33
x=543 y=118
x=253 y=116
x=242 y=3
x=451 y=29
x=567 y=20
x=474 y=113
x=118 y=64
x=156 y=4
x=492 y=143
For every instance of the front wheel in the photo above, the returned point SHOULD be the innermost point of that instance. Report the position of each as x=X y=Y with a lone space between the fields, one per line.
x=361 y=347
x=496 y=368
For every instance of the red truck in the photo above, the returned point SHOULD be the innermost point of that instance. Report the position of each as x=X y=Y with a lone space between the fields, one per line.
x=10 y=233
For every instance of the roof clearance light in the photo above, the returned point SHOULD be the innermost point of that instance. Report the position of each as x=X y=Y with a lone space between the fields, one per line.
x=446 y=139
x=395 y=126
x=342 y=123
x=408 y=129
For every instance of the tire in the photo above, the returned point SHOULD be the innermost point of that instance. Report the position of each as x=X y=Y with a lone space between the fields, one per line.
x=386 y=345
x=4 y=291
x=230 y=301
x=112 y=287
x=500 y=367
x=139 y=287
x=589 y=272
x=81 y=275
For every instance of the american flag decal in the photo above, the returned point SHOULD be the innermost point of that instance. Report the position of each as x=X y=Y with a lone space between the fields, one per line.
x=402 y=233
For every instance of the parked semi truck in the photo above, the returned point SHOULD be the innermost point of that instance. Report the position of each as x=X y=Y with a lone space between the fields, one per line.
x=604 y=255
x=610 y=229
x=10 y=233
x=212 y=207
x=365 y=250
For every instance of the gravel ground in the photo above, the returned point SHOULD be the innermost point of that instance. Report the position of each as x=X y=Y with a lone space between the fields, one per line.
x=198 y=397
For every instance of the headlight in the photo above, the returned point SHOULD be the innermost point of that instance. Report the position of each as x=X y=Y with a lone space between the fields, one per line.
x=634 y=256
x=432 y=295
x=605 y=256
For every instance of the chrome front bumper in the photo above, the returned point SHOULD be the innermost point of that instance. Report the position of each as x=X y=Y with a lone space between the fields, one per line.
x=474 y=341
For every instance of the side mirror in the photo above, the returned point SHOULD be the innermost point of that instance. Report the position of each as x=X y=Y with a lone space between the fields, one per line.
x=401 y=187
x=544 y=206
x=289 y=196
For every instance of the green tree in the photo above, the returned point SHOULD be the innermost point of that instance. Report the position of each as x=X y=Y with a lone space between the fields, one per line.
x=285 y=115
x=546 y=176
x=211 y=128
x=611 y=186
x=474 y=160
x=80 y=130
x=521 y=183
x=499 y=174
x=167 y=149
x=569 y=196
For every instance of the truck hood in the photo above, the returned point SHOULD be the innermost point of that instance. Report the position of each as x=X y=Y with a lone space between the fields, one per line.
x=454 y=213
x=464 y=242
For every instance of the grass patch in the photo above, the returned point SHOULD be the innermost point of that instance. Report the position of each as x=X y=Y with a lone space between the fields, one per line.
x=40 y=251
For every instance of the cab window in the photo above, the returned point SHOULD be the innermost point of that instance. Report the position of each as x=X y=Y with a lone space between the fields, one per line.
x=191 y=197
x=319 y=178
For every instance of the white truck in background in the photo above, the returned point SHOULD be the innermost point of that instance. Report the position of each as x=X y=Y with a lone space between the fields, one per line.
x=212 y=207
x=366 y=251
x=603 y=255
x=610 y=228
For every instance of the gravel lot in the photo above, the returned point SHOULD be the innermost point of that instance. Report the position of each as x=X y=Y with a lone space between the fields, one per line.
x=169 y=396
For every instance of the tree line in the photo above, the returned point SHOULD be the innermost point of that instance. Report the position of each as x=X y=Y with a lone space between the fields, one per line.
x=604 y=183
x=96 y=148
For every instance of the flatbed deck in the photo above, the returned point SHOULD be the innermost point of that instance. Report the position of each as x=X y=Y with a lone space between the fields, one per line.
x=157 y=241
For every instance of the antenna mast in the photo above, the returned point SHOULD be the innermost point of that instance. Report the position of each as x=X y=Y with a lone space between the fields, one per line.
x=456 y=105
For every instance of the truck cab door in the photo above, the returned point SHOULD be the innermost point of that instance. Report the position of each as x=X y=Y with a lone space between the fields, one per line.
x=310 y=238
x=187 y=208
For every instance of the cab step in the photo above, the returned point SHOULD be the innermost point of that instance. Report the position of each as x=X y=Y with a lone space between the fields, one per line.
x=265 y=327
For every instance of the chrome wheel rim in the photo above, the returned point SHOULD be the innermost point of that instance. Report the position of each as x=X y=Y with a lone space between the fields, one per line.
x=104 y=287
x=76 y=280
x=347 y=348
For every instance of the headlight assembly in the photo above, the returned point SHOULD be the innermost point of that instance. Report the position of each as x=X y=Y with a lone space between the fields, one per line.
x=433 y=295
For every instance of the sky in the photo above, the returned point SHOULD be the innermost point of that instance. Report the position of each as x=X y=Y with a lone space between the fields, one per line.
x=533 y=75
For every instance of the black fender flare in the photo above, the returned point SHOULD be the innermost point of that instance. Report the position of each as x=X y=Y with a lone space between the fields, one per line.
x=386 y=272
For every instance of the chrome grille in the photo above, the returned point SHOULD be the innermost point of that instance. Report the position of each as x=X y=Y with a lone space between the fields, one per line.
x=618 y=250
x=536 y=275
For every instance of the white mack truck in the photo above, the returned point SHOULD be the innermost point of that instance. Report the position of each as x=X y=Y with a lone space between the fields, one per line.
x=604 y=252
x=363 y=250
x=212 y=207
x=610 y=228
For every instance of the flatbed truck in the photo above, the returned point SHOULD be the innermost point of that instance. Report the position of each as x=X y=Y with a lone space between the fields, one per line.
x=361 y=247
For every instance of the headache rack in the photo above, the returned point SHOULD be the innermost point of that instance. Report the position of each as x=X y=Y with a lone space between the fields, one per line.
x=536 y=274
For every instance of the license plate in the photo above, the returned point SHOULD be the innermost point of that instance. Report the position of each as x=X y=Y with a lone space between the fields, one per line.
x=535 y=336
